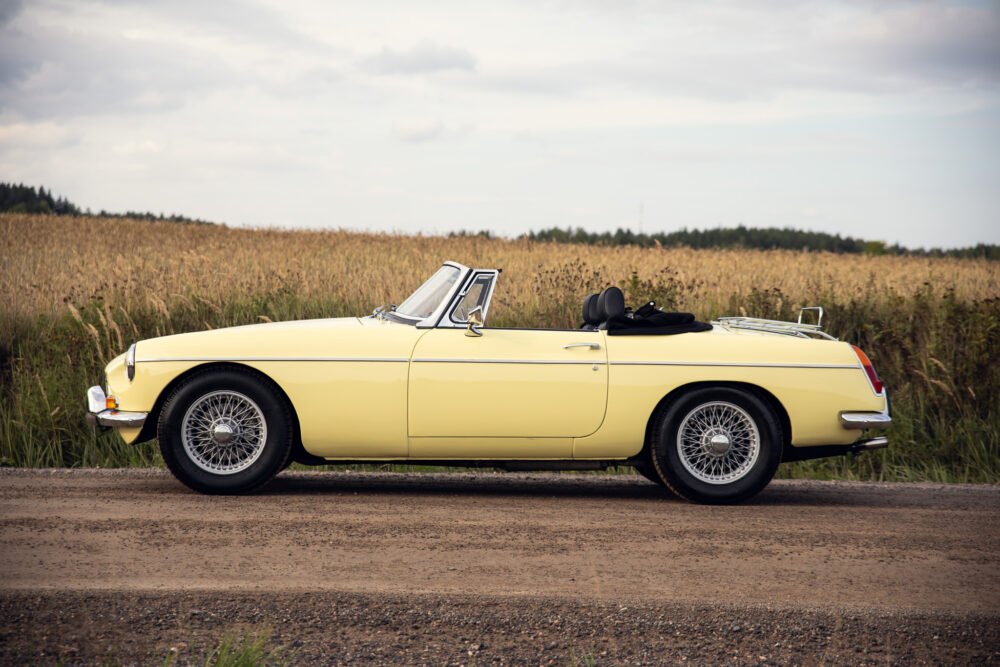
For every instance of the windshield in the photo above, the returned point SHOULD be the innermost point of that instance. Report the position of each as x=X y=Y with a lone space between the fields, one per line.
x=428 y=296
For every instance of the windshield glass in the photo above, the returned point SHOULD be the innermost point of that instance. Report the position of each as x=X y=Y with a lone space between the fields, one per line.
x=428 y=296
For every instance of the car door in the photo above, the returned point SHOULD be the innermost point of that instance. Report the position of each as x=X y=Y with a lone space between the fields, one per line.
x=536 y=389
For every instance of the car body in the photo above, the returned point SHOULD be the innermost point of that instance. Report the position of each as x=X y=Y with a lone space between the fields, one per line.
x=427 y=382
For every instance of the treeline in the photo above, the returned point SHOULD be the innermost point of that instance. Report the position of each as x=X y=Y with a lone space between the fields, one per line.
x=20 y=198
x=23 y=199
x=758 y=238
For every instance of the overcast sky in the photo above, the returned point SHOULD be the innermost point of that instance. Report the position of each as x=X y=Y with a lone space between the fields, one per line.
x=873 y=119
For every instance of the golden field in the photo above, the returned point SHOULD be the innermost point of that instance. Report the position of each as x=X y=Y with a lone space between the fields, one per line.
x=49 y=262
x=76 y=291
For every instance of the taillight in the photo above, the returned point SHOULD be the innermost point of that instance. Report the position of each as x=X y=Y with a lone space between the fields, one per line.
x=866 y=363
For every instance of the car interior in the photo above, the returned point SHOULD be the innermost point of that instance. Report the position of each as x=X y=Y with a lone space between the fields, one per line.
x=607 y=311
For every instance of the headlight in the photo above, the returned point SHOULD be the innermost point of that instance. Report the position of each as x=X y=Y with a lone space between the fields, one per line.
x=130 y=362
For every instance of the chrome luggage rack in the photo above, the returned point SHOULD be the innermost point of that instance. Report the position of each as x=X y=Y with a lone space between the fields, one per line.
x=799 y=329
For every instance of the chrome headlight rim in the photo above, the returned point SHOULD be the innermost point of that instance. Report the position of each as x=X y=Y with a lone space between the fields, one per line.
x=130 y=362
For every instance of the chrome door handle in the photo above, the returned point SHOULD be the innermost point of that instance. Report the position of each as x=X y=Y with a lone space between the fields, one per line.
x=589 y=346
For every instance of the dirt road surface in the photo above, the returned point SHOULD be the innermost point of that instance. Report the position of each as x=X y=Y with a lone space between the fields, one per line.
x=361 y=568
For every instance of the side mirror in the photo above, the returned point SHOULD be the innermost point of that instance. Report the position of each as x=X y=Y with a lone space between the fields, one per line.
x=475 y=321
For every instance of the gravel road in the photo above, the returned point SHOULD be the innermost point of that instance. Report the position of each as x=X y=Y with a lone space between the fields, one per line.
x=129 y=567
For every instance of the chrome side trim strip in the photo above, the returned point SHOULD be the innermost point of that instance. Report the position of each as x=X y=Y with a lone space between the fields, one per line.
x=344 y=359
x=561 y=362
x=737 y=364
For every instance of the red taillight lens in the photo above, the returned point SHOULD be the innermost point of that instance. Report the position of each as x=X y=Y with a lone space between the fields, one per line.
x=866 y=363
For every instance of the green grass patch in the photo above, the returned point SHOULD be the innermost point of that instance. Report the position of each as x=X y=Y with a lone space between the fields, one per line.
x=936 y=352
x=237 y=650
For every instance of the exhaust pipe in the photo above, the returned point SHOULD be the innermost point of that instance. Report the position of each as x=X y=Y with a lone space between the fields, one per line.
x=869 y=444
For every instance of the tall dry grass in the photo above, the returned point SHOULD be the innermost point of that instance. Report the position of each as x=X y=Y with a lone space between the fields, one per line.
x=50 y=262
x=77 y=291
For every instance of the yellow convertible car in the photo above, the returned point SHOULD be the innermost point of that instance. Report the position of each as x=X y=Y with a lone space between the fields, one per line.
x=708 y=410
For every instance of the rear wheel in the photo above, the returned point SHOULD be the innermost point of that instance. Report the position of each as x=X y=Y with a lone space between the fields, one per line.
x=717 y=445
x=225 y=431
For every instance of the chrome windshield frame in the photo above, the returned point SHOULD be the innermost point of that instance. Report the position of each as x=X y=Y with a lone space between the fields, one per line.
x=431 y=321
x=422 y=322
x=449 y=322
x=454 y=275
x=438 y=318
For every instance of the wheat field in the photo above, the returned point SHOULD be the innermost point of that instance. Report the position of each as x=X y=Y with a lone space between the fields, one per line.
x=77 y=291
x=50 y=262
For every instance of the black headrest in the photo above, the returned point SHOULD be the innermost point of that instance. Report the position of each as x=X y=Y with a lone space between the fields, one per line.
x=590 y=313
x=611 y=304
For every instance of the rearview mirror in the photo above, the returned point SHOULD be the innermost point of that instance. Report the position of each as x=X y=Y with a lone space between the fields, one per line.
x=475 y=321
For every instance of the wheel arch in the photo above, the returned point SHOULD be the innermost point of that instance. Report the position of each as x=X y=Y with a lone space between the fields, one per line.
x=152 y=419
x=770 y=399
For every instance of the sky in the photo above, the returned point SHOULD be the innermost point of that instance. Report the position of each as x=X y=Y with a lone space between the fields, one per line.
x=877 y=119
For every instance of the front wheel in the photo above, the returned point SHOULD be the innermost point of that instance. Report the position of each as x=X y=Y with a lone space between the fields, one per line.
x=647 y=470
x=717 y=445
x=225 y=431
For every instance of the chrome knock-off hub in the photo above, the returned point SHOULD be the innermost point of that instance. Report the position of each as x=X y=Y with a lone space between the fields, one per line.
x=223 y=433
x=718 y=444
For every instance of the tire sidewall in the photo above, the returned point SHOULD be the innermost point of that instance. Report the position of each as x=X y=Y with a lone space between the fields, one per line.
x=667 y=459
x=648 y=471
x=276 y=445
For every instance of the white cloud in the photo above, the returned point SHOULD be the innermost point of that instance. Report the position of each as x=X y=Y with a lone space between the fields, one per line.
x=421 y=131
x=883 y=116
x=147 y=146
x=36 y=136
x=420 y=59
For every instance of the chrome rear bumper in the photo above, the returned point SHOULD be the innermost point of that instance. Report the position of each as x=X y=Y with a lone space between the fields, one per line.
x=99 y=414
x=872 y=420
x=862 y=420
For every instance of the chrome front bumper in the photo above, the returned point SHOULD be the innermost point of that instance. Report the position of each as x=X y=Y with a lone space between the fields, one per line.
x=99 y=414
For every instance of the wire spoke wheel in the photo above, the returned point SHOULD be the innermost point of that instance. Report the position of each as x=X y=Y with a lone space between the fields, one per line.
x=223 y=432
x=718 y=442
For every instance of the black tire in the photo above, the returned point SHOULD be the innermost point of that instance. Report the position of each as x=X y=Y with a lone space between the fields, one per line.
x=749 y=474
x=647 y=470
x=301 y=456
x=266 y=405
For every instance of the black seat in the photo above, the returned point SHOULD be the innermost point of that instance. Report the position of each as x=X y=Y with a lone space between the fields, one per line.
x=591 y=314
x=610 y=306
x=646 y=321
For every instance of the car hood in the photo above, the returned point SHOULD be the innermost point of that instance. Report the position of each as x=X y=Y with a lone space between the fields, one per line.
x=345 y=336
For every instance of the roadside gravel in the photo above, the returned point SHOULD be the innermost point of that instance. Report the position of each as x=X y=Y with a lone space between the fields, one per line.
x=370 y=568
